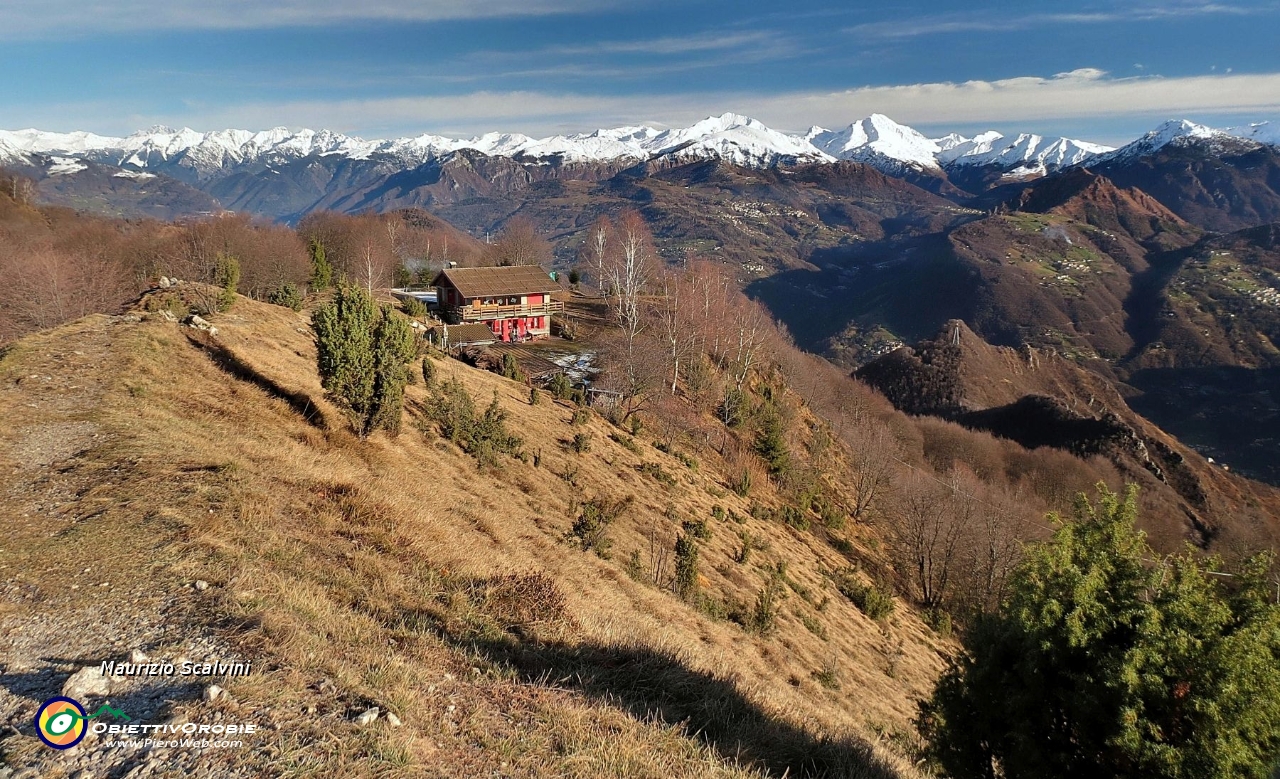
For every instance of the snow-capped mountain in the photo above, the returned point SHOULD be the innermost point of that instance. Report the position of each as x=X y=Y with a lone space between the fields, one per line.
x=876 y=140
x=892 y=147
x=40 y=142
x=208 y=152
x=734 y=138
x=1181 y=132
x=731 y=137
x=737 y=139
x=1027 y=151
x=879 y=141
x=1262 y=132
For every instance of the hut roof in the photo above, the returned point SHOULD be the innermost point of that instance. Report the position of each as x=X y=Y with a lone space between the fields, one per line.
x=490 y=282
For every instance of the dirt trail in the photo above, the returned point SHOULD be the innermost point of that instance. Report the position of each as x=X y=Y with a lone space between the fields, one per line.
x=64 y=604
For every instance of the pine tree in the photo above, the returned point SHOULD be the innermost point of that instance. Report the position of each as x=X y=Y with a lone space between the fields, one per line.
x=227 y=275
x=344 y=347
x=1107 y=661
x=321 y=270
x=402 y=277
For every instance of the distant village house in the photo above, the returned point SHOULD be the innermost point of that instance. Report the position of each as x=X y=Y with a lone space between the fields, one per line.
x=514 y=302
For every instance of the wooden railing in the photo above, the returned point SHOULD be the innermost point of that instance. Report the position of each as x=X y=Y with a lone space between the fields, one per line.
x=484 y=313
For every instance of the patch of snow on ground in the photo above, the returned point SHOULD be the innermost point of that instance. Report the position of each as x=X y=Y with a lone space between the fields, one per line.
x=578 y=366
x=64 y=165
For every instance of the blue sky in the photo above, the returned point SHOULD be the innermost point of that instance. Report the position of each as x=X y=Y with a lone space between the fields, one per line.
x=378 y=68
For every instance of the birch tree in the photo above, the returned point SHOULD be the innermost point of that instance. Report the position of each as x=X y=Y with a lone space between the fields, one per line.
x=631 y=268
x=675 y=325
x=595 y=252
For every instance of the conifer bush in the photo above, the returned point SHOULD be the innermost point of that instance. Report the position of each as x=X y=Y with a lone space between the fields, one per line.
x=287 y=295
x=697 y=528
x=413 y=308
x=580 y=443
x=763 y=619
x=510 y=369
x=592 y=519
x=626 y=442
x=771 y=443
x=634 y=567
x=402 y=277
x=686 y=581
x=362 y=351
x=560 y=387
x=749 y=544
x=393 y=346
x=1107 y=660
x=874 y=601
x=484 y=436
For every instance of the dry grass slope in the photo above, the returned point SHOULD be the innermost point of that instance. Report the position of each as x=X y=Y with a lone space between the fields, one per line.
x=138 y=457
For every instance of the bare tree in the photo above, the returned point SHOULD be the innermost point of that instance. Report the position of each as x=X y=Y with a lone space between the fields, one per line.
x=751 y=327
x=519 y=244
x=45 y=287
x=393 y=224
x=595 y=253
x=629 y=269
x=370 y=272
x=996 y=541
x=874 y=453
x=711 y=294
x=674 y=324
x=21 y=188
x=925 y=530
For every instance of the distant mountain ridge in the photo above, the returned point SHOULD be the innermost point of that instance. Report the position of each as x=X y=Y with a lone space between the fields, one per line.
x=1219 y=179
x=1182 y=133
x=876 y=140
x=741 y=140
x=285 y=174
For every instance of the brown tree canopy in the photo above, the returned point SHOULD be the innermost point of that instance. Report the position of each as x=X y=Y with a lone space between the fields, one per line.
x=518 y=244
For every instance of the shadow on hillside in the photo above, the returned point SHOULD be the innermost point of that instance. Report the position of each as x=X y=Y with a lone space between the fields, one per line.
x=1229 y=413
x=910 y=289
x=652 y=685
x=142 y=698
x=228 y=362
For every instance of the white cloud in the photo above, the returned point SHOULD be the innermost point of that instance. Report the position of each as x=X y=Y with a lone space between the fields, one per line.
x=1080 y=94
x=987 y=22
x=31 y=18
x=711 y=41
x=1083 y=95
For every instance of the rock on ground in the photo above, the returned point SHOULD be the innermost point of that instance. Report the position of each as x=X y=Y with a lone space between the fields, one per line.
x=88 y=682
